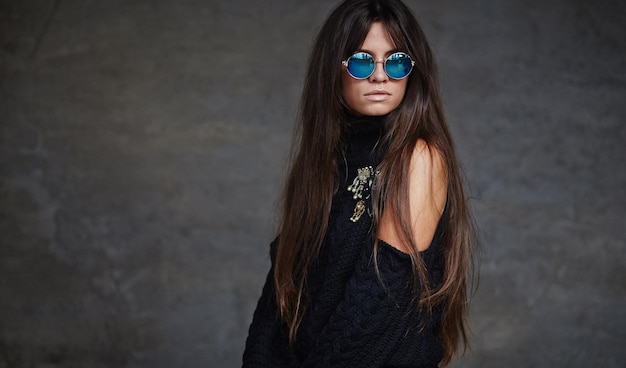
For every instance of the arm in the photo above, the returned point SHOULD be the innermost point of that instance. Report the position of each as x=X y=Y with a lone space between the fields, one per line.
x=427 y=199
x=266 y=344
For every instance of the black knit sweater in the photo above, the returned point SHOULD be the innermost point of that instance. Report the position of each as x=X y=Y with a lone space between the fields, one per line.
x=354 y=317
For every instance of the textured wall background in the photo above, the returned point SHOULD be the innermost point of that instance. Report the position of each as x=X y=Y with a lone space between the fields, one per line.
x=143 y=144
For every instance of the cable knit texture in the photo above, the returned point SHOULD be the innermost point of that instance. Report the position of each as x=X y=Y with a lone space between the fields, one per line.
x=355 y=317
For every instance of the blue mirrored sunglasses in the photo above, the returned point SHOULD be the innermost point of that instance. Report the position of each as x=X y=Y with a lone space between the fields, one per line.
x=361 y=65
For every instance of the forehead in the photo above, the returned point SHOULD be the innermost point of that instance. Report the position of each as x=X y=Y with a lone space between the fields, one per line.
x=378 y=39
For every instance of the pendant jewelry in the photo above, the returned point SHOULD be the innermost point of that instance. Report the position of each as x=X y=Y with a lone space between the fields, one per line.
x=358 y=211
x=360 y=188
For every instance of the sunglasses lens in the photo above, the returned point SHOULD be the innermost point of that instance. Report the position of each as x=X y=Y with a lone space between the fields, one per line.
x=398 y=65
x=360 y=65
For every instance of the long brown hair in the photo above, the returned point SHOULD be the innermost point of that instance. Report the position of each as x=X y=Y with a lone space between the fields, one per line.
x=311 y=181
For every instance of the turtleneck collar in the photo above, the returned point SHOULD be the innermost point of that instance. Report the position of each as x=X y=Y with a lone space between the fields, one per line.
x=362 y=133
x=357 y=122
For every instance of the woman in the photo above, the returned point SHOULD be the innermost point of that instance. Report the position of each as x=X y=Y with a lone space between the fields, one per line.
x=370 y=264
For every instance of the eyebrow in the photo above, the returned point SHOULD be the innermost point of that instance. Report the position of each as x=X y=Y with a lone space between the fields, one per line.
x=392 y=51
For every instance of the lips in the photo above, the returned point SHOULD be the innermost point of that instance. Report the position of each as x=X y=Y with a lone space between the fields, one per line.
x=378 y=92
x=378 y=95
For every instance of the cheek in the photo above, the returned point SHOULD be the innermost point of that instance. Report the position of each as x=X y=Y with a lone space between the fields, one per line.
x=402 y=88
x=399 y=93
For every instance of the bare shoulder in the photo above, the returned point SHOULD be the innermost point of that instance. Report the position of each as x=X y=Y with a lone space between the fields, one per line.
x=428 y=192
x=428 y=188
x=428 y=158
x=428 y=172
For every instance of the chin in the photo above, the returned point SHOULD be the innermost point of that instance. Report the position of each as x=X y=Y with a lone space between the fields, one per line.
x=377 y=111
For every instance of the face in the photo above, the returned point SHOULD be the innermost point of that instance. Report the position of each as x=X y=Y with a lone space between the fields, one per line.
x=378 y=94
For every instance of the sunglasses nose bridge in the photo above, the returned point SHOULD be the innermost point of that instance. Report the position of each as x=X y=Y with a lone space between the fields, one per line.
x=379 y=73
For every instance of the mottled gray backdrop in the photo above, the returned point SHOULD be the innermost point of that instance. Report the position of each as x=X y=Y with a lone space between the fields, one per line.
x=143 y=145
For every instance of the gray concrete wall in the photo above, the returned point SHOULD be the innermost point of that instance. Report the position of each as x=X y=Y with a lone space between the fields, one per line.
x=143 y=144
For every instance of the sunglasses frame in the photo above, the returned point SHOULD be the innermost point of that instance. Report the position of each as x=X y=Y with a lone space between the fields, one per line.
x=384 y=61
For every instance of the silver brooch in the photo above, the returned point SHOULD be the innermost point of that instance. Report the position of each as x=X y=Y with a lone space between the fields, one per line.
x=360 y=188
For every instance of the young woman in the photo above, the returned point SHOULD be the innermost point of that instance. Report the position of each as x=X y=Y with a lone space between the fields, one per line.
x=370 y=264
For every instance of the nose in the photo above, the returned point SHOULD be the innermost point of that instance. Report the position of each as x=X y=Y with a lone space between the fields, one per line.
x=379 y=74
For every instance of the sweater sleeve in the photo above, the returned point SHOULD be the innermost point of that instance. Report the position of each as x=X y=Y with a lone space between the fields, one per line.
x=266 y=345
x=372 y=316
